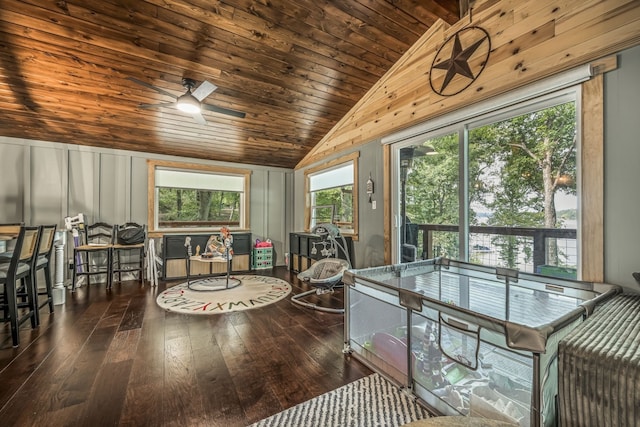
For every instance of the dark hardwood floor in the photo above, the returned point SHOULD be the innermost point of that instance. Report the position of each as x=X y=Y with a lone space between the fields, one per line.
x=115 y=358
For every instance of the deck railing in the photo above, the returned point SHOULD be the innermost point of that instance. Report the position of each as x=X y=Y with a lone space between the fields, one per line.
x=533 y=243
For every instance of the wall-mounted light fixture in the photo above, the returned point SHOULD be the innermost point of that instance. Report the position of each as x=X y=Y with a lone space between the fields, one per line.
x=370 y=187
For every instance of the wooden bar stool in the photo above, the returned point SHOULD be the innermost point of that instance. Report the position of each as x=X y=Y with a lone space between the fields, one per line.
x=43 y=262
x=128 y=250
x=20 y=268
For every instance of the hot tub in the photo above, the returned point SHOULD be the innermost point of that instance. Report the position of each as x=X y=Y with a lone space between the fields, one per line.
x=467 y=339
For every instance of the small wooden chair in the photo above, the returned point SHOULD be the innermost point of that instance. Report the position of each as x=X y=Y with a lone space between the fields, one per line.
x=129 y=257
x=94 y=255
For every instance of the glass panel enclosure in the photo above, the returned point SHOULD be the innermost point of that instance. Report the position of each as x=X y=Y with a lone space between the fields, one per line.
x=483 y=383
x=380 y=339
x=467 y=339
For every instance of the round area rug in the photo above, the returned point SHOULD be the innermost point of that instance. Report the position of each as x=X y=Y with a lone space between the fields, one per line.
x=253 y=292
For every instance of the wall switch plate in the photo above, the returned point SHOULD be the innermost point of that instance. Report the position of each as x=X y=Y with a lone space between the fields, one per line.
x=373 y=204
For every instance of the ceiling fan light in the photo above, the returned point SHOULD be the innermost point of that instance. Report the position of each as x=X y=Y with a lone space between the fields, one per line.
x=188 y=103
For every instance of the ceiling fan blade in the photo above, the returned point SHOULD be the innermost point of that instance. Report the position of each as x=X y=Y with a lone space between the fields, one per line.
x=204 y=90
x=166 y=104
x=199 y=118
x=145 y=84
x=221 y=110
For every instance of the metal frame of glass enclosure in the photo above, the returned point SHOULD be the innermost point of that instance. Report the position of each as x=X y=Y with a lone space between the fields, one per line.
x=467 y=339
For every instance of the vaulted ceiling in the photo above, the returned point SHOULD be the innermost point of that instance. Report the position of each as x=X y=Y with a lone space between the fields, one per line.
x=78 y=71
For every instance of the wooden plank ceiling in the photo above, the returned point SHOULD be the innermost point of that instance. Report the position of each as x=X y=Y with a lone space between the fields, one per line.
x=295 y=67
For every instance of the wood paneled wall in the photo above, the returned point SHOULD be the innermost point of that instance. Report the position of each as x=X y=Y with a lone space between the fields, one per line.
x=592 y=160
x=530 y=40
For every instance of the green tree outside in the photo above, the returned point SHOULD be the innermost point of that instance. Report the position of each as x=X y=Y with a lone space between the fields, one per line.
x=515 y=169
x=187 y=205
x=341 y=198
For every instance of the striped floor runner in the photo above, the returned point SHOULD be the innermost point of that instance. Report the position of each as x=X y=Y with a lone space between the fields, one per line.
x=370 y=401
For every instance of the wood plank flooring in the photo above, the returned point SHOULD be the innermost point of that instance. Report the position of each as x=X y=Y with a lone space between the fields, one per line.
x=110 y=358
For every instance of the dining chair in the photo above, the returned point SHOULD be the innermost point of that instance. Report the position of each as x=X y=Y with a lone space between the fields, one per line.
x=43 y=262
x=128 y=250
x=8 y=232
x=20 y=268
x=94 y=254
x=27 y=290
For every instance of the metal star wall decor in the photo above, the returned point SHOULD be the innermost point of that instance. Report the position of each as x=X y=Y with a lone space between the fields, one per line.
x=460 y=61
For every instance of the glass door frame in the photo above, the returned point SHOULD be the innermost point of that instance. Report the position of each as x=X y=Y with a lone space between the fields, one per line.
x=396 y=190
x=462 y=127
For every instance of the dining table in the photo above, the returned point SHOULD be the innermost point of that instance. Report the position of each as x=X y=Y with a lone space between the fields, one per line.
x=8 y=232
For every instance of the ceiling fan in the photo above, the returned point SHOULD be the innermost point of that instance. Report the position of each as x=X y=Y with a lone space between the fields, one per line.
x=191 y=101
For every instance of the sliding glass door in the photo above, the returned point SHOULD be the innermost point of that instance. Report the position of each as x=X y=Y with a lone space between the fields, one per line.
x=428 y=177
x=523 y=193
x=497 y=189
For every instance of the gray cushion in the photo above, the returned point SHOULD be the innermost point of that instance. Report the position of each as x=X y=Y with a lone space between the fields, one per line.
x=4 y=269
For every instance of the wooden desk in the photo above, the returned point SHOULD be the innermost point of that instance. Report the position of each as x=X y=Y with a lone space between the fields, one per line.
x=301 y=254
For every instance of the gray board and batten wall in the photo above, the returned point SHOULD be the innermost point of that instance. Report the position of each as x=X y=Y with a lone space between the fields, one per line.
x=43 y=182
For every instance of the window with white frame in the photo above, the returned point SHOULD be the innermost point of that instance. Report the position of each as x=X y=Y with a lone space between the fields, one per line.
x=197 y=197
x=332 y=194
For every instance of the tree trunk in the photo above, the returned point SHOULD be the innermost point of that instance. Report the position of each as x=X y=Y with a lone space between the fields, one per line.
x=550 y=217
x=234 y=206
x=204 y=206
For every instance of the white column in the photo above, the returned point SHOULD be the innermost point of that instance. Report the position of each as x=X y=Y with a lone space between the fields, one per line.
x=59 y=295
